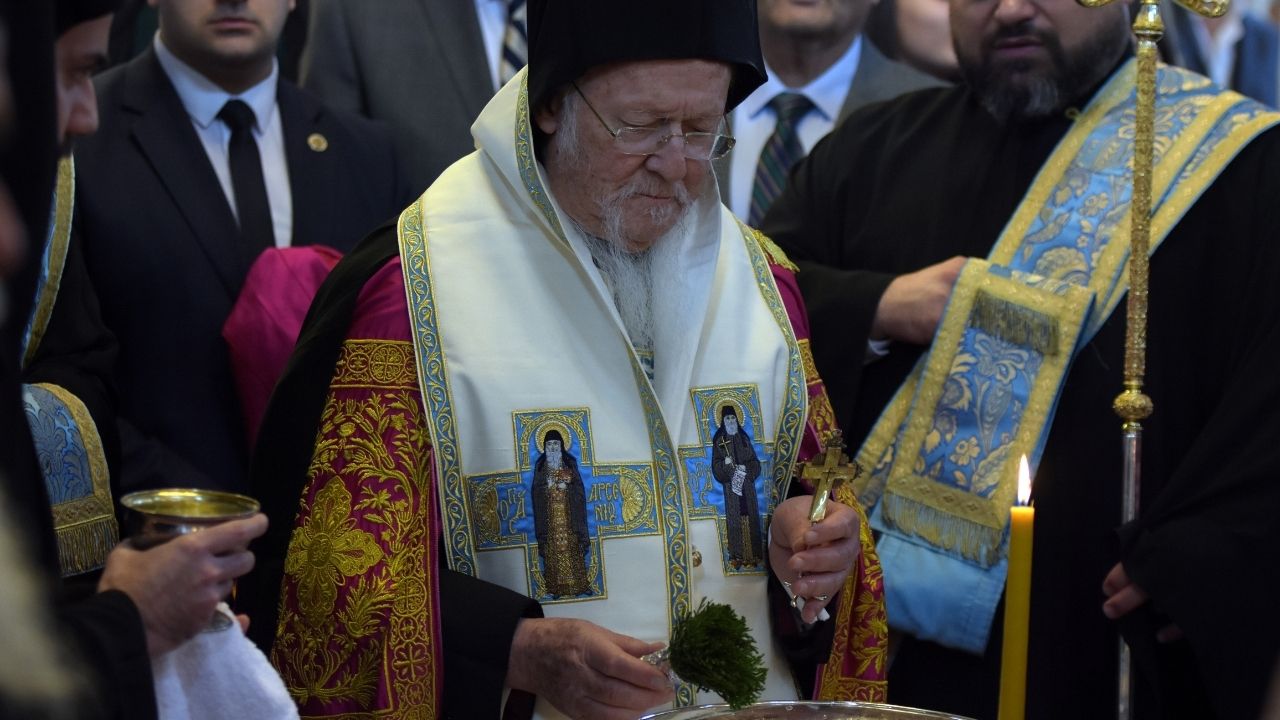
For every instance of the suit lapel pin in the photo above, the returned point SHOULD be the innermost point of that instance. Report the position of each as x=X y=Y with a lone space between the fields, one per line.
x=317 y=142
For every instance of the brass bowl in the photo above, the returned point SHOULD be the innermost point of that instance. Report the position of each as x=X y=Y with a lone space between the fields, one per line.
x=159 y=515
x=803 y=711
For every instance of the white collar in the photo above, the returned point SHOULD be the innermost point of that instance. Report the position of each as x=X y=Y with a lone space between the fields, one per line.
x=827 y=91
x=203 y=99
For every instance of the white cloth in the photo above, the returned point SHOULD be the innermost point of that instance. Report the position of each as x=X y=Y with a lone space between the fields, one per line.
x=203 y=100
x=753 y=121
x=220 y=676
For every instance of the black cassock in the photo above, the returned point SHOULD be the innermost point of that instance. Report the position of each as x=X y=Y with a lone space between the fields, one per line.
x=929 y=176
x=103 y=632
x=744 y=547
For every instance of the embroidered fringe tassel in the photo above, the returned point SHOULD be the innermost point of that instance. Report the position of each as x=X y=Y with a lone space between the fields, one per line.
x=84 y=546
x=969 y=540
x=1014 y=323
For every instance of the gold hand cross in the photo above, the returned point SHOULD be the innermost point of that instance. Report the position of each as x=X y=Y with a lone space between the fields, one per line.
x=835 y=470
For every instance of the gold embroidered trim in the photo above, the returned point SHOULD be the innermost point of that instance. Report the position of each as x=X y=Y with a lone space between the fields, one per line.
x=359 y=571
x=1050 y=176
x=795 y=403
x=775 y=254
x=810 y=367
x=64 y=198
x=862 y=626
x=821 y=415
x=86 y=527
x=376 y=363
x=437 y=397
x=960 y=519
x=528 y=164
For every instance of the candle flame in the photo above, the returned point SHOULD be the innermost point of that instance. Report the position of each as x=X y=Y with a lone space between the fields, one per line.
x=1024 y=481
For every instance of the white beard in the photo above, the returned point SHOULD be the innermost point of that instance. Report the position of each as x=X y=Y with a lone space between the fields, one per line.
x=641 y=282
x=649 y=287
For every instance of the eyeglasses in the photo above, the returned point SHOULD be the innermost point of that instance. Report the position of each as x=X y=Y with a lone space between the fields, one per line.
x=651 y=140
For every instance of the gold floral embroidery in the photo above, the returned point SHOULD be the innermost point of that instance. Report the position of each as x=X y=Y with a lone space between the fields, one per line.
x=356 y=632
x=822 y=417
x=327 y=548
x=810 y=367
x=856 y=668
x=775 y=254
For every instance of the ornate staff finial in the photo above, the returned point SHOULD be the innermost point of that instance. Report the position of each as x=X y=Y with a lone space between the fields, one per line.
x=1132 y=405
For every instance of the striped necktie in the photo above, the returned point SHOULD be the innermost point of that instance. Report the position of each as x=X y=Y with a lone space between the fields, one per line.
x=515 y=43
x=781 y=151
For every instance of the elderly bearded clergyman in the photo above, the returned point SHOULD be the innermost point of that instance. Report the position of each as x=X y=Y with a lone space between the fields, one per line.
x=576 y=275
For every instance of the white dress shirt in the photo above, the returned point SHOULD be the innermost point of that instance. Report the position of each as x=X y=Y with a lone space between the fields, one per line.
x=493 y=28
x=203 y=101
x=753 y=121
x=1219 y=51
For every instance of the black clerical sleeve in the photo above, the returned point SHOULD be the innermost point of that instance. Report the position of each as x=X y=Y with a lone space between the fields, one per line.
x=479 y=622
x=1207 y=546
x=27 y=154
x=841 y=301
x=107 y=630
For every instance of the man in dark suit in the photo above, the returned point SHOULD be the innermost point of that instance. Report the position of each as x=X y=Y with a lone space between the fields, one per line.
x=425 y=67
x=204 y=158
x=1237 y=51
x=821 y=69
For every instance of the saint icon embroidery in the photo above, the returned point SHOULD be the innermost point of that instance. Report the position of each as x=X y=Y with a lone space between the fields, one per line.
x=736 y=467
x=560 y=518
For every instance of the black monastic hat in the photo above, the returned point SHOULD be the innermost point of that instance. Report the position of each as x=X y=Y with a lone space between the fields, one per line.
x=569 y=37
x=69 y=13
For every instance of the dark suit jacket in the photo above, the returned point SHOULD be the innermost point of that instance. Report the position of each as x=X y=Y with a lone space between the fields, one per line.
x=418 y=65
x=160 y=243
x=1258 y=61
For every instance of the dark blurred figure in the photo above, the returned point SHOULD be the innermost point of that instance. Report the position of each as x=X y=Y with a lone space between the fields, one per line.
x=148 y=602
x=916 y=32
x=40 y=681
x=27 y=166
x=1237 y=51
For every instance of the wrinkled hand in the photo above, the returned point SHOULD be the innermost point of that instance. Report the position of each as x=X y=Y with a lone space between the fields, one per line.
x=1124 y=596
x=912 y=305
x=824 y=553
x=177 y=585
x=586 y=671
